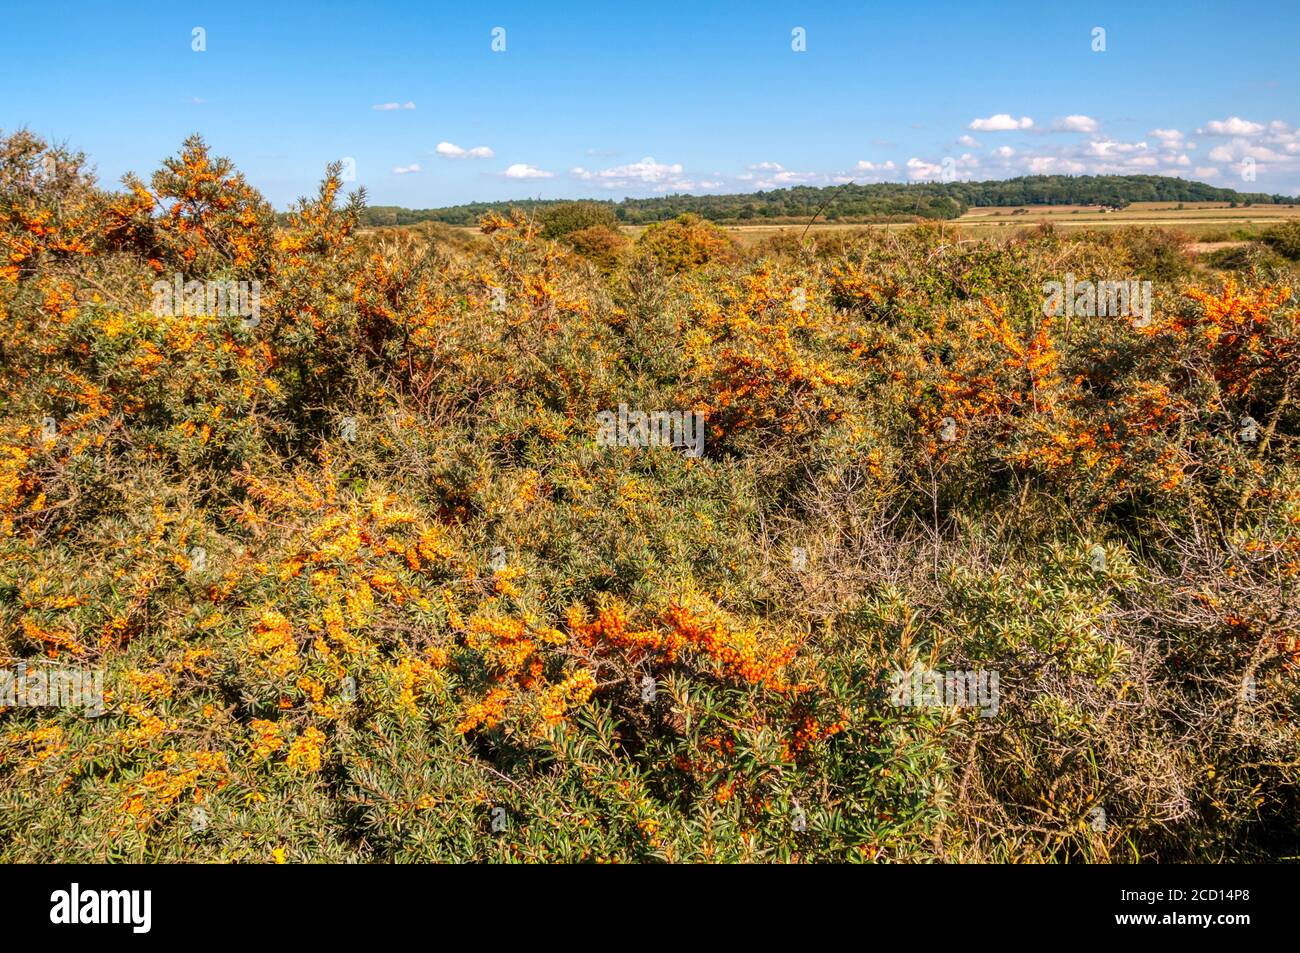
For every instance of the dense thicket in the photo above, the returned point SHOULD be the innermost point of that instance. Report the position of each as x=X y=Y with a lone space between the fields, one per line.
x=365 y=583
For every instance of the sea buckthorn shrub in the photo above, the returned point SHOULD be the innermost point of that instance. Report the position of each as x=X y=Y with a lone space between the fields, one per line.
x=363 y=584
x=602 y=245
x=1284 y=238
x=686 y=243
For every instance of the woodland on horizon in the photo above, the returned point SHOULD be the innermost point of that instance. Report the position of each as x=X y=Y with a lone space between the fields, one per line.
x=851 y=203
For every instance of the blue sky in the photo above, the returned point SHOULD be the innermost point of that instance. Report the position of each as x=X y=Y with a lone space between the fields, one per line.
x=594 y=99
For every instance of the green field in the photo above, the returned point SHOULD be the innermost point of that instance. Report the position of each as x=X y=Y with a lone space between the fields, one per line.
x=1201 y=219
x=1214 y=223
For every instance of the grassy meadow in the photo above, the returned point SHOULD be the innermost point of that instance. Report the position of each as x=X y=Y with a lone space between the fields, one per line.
x=1208 y=223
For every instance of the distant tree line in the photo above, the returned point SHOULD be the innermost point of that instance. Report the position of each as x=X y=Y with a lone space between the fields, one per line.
x=883 y=202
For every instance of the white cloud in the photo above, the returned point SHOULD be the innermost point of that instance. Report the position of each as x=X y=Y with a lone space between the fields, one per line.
x=786 y=177
x=1167 y=153
x=389 y=107
x=1169 y=138
x=1233 y=126
x=1239 y=149
x=773 y=175
x=449 y=150
x=646 y=173
x=1002 y=122
x=1076 y=124
x=521 y=170
x=918 y=169
x=1110 y=148
x=1279 y=133
x=1053 y=165
x=921 y=169
x=1275 y=147
x=866 y=172
x=406 y=169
